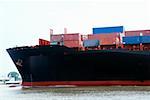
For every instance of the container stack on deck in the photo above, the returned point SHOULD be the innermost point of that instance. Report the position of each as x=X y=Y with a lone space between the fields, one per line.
x=106 y=40
x=103 y=38
x=109 y=37
x=137 y=40
x=57 y=39
x=72 y=40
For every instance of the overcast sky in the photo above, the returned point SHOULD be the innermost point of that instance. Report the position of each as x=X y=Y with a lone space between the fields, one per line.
x=23 y=22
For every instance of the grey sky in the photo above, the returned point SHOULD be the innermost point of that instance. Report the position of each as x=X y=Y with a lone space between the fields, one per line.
x=23 y=22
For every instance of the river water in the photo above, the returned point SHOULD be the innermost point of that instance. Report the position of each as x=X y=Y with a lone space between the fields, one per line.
x=75 y=93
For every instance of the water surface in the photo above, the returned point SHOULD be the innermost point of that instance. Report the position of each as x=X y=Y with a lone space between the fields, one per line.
x=76 y=93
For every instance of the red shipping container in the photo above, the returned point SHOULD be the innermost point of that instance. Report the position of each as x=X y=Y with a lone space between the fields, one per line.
x=57 y=38
x=43 y=42
x=137 y=33
x=72 y=37
x=72 y=43
x=146 y=33
x=105 y=39
x=132 y=33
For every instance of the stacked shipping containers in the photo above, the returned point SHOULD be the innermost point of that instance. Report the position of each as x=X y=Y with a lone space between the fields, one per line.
x=131 y=42
x=137 y=40
x=109 y=37
x=72 y=40
x=105 y=39
x=57 y=39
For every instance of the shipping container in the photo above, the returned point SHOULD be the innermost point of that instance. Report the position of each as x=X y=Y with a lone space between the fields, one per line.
x=72 y=37
x=146 y=33
x=72 y=44
x=137 y=33
x=133 y=33
x=91 y=43
x=105 y=39
x=44 y=42
x=132 y=40
x=57 y=38
x=145 y=39
x=106 y=30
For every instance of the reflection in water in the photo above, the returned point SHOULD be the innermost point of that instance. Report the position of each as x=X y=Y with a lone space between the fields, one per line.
x=76 y=93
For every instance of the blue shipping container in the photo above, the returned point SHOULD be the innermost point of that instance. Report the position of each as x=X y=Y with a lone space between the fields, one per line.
x=132 y=40
x=91 y=43
x=145 y=39
x=115 y=29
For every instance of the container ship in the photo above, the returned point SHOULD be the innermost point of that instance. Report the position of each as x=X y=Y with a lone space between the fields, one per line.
x=109 y=56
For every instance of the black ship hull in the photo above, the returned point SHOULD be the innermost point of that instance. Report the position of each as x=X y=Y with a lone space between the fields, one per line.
x=59 y=65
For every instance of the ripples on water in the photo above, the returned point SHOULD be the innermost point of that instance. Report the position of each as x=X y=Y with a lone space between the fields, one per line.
x=76 y=93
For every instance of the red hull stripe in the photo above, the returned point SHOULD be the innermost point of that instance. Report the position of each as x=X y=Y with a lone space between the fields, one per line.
x=88 y=83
